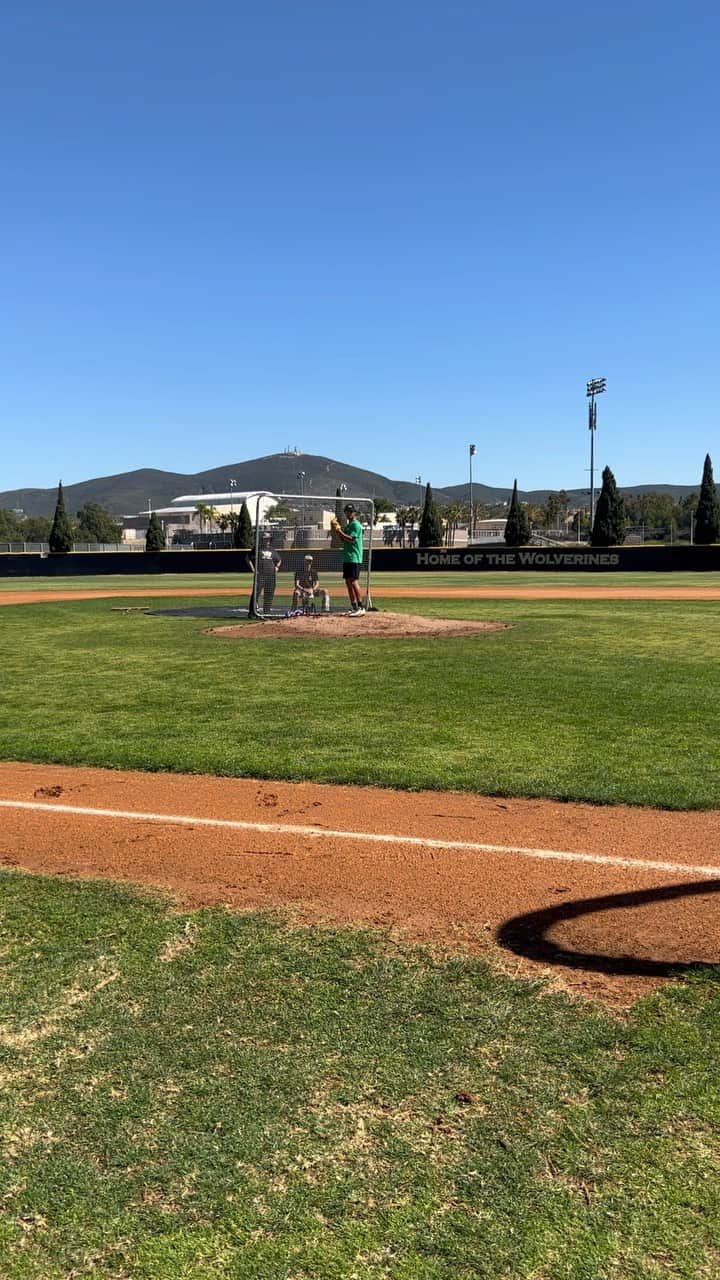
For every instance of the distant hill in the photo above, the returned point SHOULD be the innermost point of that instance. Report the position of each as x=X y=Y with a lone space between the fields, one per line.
x=576 y=497
x=130 y=492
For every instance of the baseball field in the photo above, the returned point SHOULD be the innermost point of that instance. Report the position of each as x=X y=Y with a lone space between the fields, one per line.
x=365 y=948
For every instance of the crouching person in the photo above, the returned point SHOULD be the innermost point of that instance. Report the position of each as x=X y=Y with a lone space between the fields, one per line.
x=308 y=589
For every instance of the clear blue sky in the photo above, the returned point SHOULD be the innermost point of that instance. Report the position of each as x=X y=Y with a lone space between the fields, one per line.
x=375 y=229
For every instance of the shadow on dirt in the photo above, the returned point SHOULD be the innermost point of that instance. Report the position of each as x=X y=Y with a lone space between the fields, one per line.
x=526 y=935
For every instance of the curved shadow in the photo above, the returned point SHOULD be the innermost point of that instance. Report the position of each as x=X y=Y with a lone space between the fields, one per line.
x=526 y=935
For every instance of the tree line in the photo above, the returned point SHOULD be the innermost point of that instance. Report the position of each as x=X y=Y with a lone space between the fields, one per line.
x=614 y=515
x=91 y=524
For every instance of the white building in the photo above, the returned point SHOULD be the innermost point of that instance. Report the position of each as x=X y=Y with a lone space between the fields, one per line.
x=488 y=531
x=181 y=516
x=224 y=503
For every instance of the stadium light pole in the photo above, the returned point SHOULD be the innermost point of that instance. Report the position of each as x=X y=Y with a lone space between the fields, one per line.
x=301 y=478
x=594 y=388
x=418 y=481
x=233 y=486
x=473 y=451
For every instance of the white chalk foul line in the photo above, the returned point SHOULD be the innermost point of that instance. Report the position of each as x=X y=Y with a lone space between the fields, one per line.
x=371 y=837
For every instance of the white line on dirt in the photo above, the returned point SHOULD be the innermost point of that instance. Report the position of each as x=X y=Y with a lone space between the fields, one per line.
x=373 y=837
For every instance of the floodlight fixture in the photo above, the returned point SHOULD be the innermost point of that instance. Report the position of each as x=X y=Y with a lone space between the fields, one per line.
x=594 y=387
x=471 y=523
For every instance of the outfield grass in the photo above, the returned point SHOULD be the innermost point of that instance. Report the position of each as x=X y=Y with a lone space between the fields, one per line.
x=213 y=1096
x=601 y=701
x=487 y=579
x=216 y=1097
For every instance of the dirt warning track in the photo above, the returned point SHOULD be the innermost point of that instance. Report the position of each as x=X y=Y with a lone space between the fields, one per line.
x=608 y=902
x=382 y=592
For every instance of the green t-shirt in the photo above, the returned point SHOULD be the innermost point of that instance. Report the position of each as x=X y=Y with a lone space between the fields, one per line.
x=353 y=551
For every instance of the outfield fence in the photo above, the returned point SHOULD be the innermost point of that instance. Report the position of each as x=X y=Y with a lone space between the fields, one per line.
x=575 y=559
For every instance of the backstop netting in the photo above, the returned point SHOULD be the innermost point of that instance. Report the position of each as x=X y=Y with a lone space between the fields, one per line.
x=297 y=559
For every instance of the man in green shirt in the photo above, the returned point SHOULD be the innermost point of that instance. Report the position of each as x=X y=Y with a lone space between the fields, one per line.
x=352 y=548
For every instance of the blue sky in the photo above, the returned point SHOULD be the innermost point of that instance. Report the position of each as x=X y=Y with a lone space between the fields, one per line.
x=378 y=231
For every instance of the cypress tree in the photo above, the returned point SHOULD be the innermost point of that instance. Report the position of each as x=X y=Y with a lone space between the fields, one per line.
x=707 y=515
x=517 y=525
x=431 y=530
x=610 y=525
x=61 y=534
x=155 y=536
x=242 y=528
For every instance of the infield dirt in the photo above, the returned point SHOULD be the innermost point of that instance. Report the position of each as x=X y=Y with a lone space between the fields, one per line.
x=380 y=592
x=605 y=930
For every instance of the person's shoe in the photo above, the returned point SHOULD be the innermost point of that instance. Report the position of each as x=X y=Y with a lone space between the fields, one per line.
x=358 y=613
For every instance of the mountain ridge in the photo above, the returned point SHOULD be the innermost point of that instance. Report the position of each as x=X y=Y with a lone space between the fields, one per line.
x=129 y=492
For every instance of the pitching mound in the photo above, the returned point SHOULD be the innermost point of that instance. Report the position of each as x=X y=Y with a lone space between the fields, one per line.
x=376 y=626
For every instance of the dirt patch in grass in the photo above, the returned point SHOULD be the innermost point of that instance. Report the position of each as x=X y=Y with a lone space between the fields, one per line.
x=373 y=625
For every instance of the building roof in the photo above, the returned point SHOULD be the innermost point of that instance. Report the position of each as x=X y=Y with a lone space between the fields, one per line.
x=234 y=496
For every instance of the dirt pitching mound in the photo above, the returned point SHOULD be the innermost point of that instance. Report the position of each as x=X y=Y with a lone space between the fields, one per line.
x=375 y=626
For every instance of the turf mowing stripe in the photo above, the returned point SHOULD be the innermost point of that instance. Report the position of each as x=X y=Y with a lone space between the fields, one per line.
x=423 y=842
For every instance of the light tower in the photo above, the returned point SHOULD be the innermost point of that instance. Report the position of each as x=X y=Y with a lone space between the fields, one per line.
x=595 y=387
x=473 y=451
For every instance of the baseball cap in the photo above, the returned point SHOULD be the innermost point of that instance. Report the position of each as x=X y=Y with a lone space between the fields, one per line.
x=348 y=507
x=308 y=557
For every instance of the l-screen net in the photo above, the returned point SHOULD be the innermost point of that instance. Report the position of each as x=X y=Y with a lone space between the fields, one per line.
x=297 y=560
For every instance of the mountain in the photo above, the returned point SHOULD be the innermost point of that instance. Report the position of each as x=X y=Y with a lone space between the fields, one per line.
x=130 y=492
x=576 y=497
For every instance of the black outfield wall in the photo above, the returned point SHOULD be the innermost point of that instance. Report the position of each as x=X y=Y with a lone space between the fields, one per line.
x=78 y=564
x=403 y=560
x=548 y=559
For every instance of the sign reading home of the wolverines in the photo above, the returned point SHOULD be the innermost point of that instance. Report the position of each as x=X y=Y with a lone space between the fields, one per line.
x=580 y=559
x=517 y=559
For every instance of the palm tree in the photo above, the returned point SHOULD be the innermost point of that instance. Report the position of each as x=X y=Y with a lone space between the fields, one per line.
x=204 y=513
x=413 y=518
x=452 y=515
x=402 y=515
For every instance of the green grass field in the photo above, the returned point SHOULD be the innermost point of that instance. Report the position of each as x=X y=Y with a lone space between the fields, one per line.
x=602 y=701
x=381 y=580
x=218 y=1096
x=212 y=1096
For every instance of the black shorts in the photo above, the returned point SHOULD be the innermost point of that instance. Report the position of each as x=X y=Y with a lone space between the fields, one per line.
x=351 y=571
